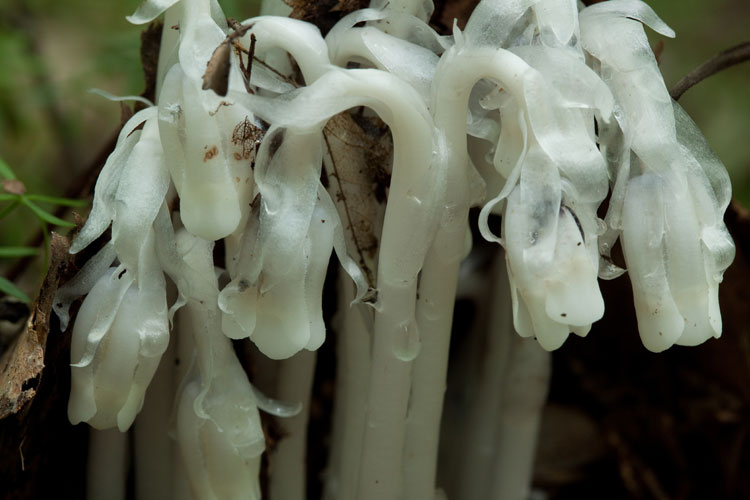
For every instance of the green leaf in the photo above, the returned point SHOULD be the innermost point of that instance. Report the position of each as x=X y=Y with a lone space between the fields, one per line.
x=6 y=171
x=11 y=252
x=68 y=202
x=9 y=208
x=8 y=197
x=11 y=289
x=45 y=216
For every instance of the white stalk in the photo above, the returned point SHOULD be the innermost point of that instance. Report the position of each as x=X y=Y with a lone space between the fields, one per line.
x=437 y=292
x=403 y=246
x=523 y=396
x=481 y=425
x=437 y=295
x=184 y=357
x=107 y=470
x=352 y=371
x=300 y=39
x=456 y=75
x=289 y=458
x=218 y=426
x=154 y=449
x=529 y=364
x=414 y=190
x=475 y=287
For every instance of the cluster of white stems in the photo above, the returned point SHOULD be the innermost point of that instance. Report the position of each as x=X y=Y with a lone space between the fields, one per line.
x=538 y=110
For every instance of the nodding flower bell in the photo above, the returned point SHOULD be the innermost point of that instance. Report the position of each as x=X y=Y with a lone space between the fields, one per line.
x=122 y=327
x=218 y=425
x=118 y=339
x=555 y=175
x=670 y=191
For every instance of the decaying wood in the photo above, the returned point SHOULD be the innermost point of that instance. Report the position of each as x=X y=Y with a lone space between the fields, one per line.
x=41 y=454
x=22 y=364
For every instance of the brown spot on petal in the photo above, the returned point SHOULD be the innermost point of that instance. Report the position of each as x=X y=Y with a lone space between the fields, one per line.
x=210 y=153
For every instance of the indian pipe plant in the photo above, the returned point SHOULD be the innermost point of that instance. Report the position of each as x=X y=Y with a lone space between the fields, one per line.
x=225 y=203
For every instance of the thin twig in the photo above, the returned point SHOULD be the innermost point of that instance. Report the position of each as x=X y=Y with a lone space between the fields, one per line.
x=720 y=61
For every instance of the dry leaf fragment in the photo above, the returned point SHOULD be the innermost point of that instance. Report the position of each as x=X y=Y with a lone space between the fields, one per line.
x=216 y=76
x=357 y=162
x=14 y=186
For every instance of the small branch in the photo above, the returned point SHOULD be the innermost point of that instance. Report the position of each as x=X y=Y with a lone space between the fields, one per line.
x=719 y=62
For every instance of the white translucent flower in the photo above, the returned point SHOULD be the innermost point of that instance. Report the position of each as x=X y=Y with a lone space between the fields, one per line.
x=279 y=306
x=119 y=335
x=121 y=329
x=555 y=180
x=612 y=33
x=218 y=425
x=551 y=297
x=297 y=223
x=216 y=469
x=274 y=297
x=676 y=295
x=675 y=243
x=209 y=144
x=130 y=188
x=670 y=191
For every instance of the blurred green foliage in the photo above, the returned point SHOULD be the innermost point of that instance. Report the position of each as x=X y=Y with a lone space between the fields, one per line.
x=14 y=196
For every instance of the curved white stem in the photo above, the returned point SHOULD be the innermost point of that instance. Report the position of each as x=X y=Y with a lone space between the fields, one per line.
x=404 y=242
x=457 y=72
x=350 y=46
x=300 y=39
x=416 y=184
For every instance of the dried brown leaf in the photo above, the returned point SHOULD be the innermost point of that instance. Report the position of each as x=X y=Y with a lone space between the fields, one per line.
x=216 y=76
x=357 y=164
x=14 y=186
